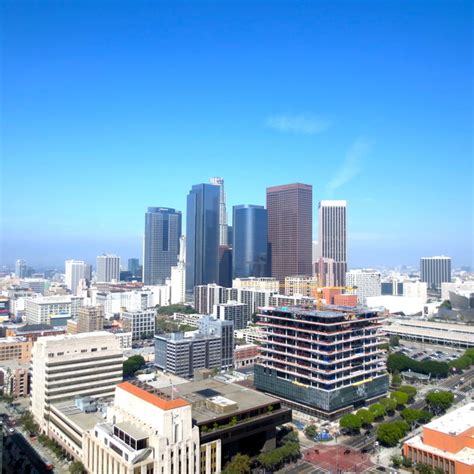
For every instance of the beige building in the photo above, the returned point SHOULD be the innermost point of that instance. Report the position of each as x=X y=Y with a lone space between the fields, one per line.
x=15 y=348
x=257 y=283
x=88 y=364
x=14 y=377
x=303 y=285
x=90 y=319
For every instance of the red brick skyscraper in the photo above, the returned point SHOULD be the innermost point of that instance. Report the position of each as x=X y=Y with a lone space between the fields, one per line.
x=290 y=224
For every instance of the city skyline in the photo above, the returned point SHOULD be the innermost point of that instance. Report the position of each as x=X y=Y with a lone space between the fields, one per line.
x=261 y=97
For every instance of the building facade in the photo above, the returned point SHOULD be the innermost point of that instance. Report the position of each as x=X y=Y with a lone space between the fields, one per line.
x=366 y=283
x=202 y=236
x=15 y=349
x=333 y=236
x=133 y=266
x=435 y=271
x=140 y=323
x=108 y=268
x=321 y=362
x=250 y=245
x=305 y=285
x=233 y=311
x=223 y=232
x=90 y=319
x=178 y=275
x=53 y=310
x=210 y=326
x=74 y=273
x=290 y=221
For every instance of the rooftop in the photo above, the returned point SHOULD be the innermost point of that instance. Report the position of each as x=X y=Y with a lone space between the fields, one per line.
x=83 y=420
x=456 y=422
x=436 y=326
x=465 y=456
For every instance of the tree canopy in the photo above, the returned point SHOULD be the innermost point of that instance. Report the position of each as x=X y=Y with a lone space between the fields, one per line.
x=239 y=463
x=389 y=403
x=175 y=308
x=399 y=363
x=132 y=364
x=389 y=434
x=439 y=401
x=351 y=422
x=400 y=397
x=378 y=410
x=409 y=390
x=366 y=416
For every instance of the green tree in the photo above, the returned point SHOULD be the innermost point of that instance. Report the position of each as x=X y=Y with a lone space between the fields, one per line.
x=175 y=308
x=394 y=341
x=409 y=390
x=77 y=468
x=411 y=416
x=378 y=410
x=461 y=363
x=366 y=416
x=389 y=434
x=239 y=463
x=132 y=364
x=351 y=422
x=310 y=431
x=439 y=401
x=423 y=468
x=389 y=403
x=446 y=304
x=407 y=462
x=396 y=380
x=396 y=461
x=400 y=397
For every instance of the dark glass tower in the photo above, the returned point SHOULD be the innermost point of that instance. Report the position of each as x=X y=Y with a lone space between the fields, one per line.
x=250 y=225
x=161 y=244
x=202 y=236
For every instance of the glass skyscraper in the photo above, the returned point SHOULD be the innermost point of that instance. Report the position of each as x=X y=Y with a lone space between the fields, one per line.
x=202 y=236
x=161 y=244
x=250 y=226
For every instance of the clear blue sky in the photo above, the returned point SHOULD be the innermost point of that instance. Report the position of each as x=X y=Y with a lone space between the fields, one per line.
x=110 y=107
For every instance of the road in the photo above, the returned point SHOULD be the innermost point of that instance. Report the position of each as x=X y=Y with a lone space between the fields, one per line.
x=363 y=441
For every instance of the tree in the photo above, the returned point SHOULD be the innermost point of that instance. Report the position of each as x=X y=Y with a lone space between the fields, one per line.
x=396 y=380
x=411 y=416
x=366 y=417
x=407 y=462
x=446 y=304
x=439 y=401
x=378 y=410
x=389 y=403
x=423 y=468
x=77 y=468
x=396 y=461
x=132 y=364
x=394 y=341
x=461 y=363
x=400 y=397
x=239 y=463
x=389 y=434
x=409 y=390
x=351 y=422
x=310 y=431
x=175 y=308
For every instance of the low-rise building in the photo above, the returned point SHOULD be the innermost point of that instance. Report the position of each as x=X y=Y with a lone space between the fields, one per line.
x=15 y=378
x=447 y=443
x=257 y=283
x=252 y=334
x=245 y=355
x=305 y=285
x=15 y=348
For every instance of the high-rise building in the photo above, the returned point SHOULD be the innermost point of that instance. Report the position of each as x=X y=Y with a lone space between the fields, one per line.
x=324 y=269
x=53 y=310
x=206 y=296
x=435 y=270
x=210 y=326
x=317 y=371
x=202 y=236
x=230 y=235
x=225 y=266
x=88 y=364
x=21 y=269
x=133 y=266
x=108 y=268
x=333 y=236
x=74 y=273
x=250 y=244
x=290 y=221
x=178 y=275
x=161 y=244
x=232 y=311
x=223 y=235
x=366 y=283
x=90 y=319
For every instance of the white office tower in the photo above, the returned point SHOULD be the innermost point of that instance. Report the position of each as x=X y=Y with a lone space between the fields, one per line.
x=147 y=431
x=20 y=268
x=333 y=236
x=74 y=272
x=315 y=251
x=178 y=275
x=88 y=364
x=368 y=284
x=415 y=289
x=222 y=210
x=435 y=271
x=108 y=268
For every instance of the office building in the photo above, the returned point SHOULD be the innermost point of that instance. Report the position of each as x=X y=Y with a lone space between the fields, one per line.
x=290 y=223
x=446 y=443
x=315 y=253
x=250 y=245
x=210 y=326
x=304 y=285
x=178 y=275
x=435 y=271
x=366 y=283
x=53 y=310
x=15 y=348
x=261 y=283
x=230 y=235
x=321 y=362
x=90 y=319
x=15 y=378
x=182 y=356
x=21 y=269
x=108 y=268
x=225 y=266
x=333 y=236
x=295 y=300
x=74 y=273
x=161 y=244
x=252 y=299
x=325 y=271
x=223 y=232
x=202 y=236
x=140 y=323
x=246 y=355
x=233 y=311
x=88 y=364
x=37 y=285
x=415 y=289
x=206 y=296
x=134 y=266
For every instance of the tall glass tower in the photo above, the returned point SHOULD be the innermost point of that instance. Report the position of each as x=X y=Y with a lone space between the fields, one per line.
x=161 y=244
x=202 y=236
x=250 y=226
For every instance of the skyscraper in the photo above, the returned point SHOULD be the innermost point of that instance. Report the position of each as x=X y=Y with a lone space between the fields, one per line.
x=333 y=237
x=75 y=271
x=161 y=244
x=108 y=268
x=435 y=270
x=290 y=217
x=202 y=236
x=250 y=224
x=20 y=269
x=223 y=236
x=133 y=266
x=178 y=274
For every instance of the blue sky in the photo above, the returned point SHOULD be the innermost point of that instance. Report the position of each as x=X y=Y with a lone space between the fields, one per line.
x=110 y=107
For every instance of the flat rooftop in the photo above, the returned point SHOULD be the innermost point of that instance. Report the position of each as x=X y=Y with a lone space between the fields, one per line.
x=329 y=311
x=85 y=421
x=456 y=422
x=197 y=392
x=458 y=328
x=429 y=332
